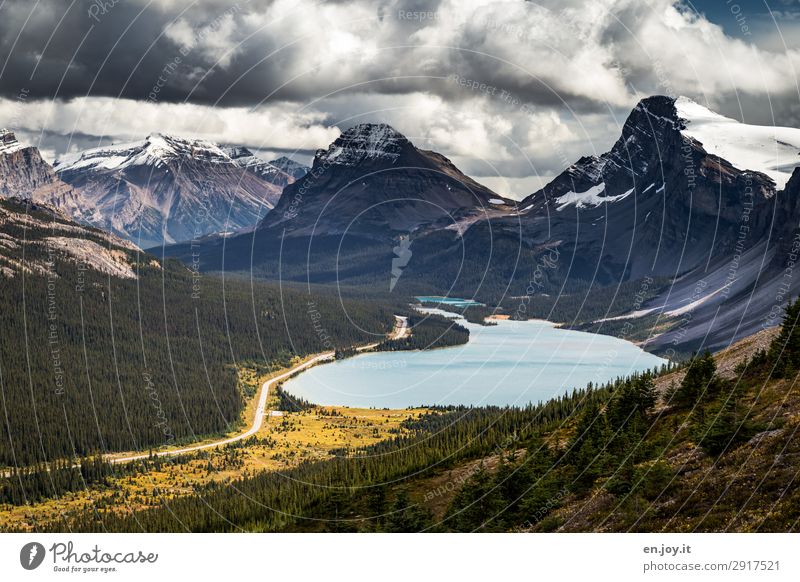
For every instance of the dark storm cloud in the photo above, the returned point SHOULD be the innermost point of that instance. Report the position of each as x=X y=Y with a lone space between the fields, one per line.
x=552 y=54
x=59 y=50
x=491 y=84
x=54 y=49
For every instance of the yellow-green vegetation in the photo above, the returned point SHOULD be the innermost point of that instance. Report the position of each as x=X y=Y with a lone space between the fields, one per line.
x=285 y=440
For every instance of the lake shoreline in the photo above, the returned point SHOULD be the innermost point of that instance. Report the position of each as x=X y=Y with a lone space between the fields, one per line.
x=512 y=363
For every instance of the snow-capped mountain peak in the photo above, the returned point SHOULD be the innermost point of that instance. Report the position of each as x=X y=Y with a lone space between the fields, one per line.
x=774 y=151
x=245 y=158
x=156 y=149
x=165 y=188
x=654 y=143
x=365 y=141
x=281 y=170
x=164 y=147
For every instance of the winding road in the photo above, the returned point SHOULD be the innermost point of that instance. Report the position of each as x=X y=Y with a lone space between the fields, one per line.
x=400 y=331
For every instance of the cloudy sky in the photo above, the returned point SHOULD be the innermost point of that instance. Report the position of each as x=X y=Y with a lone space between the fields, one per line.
x=512 y=91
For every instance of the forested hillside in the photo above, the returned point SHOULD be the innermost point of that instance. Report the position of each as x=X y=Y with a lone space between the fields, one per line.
x=91 y=363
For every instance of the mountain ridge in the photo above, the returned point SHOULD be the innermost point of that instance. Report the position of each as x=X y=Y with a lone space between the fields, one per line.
x=165 y=189
x=671 y=208
x=662 y=204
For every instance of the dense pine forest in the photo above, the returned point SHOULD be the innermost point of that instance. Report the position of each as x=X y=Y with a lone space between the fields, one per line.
x=91 y=363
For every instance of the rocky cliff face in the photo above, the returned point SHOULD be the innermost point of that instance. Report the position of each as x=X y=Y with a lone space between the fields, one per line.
x=290 y=167
x=23 y=172
x=280 y=172
x=656 y=204
x=35 y=237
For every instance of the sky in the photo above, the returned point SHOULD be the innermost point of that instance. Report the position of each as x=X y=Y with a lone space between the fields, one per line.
x=512 y=91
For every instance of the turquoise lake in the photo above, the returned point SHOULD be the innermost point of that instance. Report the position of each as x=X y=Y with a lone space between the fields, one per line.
x=511 y=363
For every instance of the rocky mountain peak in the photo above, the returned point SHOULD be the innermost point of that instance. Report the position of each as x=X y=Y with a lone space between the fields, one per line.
x=156 y=150
x=8 y=142
x=769 y=150
x=280 y=172
x=236 y=152
x=290 y=167
x=161 y=147
x=653 y=118
x=656 y=106
x=373 y=182
x=365 y=141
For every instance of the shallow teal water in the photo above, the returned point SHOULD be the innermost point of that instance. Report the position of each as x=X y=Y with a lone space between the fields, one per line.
x=452 y=301
x=512 y=363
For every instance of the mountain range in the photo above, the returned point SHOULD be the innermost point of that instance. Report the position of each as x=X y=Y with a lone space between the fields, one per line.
x=686 y=227
x=160 y=190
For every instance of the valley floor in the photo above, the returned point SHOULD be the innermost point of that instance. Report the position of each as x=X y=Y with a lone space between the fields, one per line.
x=673 y=484
x=285 y=440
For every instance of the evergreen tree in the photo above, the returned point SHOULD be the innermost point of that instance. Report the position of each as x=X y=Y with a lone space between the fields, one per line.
x=721 y=427
x=700 y=381
x=476 y=502
x=406 y=516
x=377 y=505
x=631 y=404
x=544 y=488
x=784 y=351
x=587 y=452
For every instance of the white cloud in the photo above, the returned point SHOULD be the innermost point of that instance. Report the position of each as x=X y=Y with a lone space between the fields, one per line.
x=516 y=188
x=588 y=51
x=277 y=126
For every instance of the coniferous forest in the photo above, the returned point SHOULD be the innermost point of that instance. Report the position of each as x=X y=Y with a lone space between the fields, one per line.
x=91 y=363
